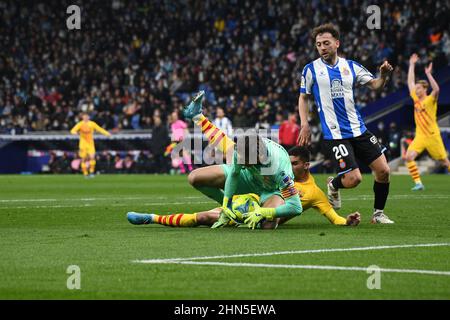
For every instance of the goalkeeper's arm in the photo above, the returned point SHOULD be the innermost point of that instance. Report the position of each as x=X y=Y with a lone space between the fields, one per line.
x=231 y=184
x=292 y=204
x=292 y=207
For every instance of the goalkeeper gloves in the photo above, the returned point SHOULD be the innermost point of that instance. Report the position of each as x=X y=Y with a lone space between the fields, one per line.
x=258 y=215
x=223 y=221
x=226 y=209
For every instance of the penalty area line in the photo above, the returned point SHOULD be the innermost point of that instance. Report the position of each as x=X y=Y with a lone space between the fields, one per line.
x=298 y=266
x=108 y=205
x=401 y=246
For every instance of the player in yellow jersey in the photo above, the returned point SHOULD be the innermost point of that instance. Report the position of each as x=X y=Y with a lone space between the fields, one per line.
x=428 y=136
x=310 y=194
x=86 y=128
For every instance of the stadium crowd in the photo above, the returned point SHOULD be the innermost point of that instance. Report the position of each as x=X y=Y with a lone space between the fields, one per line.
x=134 y=62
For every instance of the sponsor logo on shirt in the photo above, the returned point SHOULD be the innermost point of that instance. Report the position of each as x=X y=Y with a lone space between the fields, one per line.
x=337 y=90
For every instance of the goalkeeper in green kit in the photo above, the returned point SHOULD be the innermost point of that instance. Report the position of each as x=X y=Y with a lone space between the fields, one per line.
x=254 y=165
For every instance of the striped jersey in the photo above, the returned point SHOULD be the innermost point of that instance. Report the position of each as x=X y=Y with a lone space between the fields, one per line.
x=333 y=88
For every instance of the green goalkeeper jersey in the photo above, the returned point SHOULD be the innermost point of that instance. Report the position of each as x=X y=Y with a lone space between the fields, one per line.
x=274 y=177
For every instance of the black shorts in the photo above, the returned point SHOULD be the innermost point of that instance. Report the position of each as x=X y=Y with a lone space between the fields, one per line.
x=346 y=152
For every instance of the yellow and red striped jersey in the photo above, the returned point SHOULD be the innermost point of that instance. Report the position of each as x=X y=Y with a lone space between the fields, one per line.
x=425 y=115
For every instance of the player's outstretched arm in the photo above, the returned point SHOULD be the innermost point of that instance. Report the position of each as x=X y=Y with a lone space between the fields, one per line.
x=434 y=84
x=101 y=130
x=411 y=76
x=379 y=83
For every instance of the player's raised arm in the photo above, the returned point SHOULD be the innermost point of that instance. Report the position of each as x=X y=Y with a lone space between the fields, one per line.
x=76 y=128
x=434 y=85
x=304 y=138
x=379 y=83
x=411 y=76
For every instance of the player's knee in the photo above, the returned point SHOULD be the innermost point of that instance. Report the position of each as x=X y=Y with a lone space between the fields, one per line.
x=383 y=173
x=193 y=178
x=354 y=180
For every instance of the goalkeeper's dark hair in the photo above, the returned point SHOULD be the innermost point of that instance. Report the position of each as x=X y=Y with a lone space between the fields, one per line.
x=302 y=152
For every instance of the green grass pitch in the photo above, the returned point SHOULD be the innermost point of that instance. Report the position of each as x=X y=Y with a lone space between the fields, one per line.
x=50 y=222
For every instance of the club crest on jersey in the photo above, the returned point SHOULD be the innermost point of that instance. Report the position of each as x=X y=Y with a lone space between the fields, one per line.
x=337 y=90
x=342 y=164
x=345 y=71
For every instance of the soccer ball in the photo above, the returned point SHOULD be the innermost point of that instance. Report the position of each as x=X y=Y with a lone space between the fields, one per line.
x=243 y=204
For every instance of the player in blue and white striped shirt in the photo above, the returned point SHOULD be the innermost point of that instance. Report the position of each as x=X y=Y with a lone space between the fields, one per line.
x=332 y=80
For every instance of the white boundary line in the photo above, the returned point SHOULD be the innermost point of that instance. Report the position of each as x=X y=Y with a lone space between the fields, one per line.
x=190 y=261
x=401 y=246
x=298 y=266
x=357 y=198
x=93 y=199
x=110 y=205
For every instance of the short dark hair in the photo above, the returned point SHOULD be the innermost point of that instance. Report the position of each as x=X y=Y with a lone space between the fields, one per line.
x=327 y=27
x=301 y=152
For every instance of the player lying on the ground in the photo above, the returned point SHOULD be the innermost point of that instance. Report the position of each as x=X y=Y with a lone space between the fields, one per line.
x=310 y=194
x=254 y=165
x=86 y=129
x=428 y=136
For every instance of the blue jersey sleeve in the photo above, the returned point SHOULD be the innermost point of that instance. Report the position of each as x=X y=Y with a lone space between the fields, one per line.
x=306 y=80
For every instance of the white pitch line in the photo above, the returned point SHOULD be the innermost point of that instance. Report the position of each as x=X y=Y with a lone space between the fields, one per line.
x=358 y=198
x=361 y=197
x=110 y=205
x=297 y=266
x=90 y=199
x=176 y=260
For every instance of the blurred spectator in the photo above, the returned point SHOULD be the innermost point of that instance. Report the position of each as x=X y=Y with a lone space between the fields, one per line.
x=240 y=120
x=289 y=131
x=129 y=164
x=160 y=140
x=151 y=55
x=394 y=141
x=59 y=164
x=179 y=132
x=381 y=133
x=223 y=122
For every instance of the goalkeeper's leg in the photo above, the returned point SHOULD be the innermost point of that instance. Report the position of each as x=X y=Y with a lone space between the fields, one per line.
x=216 y=137
x=210 y=181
